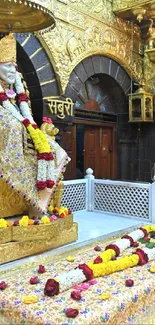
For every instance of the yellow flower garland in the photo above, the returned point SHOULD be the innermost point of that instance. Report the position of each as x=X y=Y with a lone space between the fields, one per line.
x=110 y=267
x=39 y=139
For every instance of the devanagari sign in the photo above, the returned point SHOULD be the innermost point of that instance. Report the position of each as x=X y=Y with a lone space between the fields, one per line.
x=61 y=108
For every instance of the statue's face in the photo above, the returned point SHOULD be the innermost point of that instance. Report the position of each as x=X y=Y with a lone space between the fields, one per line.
x=8 y=72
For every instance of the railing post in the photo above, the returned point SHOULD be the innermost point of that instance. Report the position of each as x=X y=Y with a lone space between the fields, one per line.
x=89 y=176
x=153 y=203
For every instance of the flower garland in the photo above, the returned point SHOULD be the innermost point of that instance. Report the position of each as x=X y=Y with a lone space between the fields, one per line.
x=105 y=265
x=44 y=156
x=25 y=221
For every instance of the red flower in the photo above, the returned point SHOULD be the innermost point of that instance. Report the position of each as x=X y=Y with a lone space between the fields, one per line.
x=47 y=120
x=22 y=97
x=87 y=271
x=76 y=295
x=130 y=239
x=144 y=231
x=16 y=223
x=49 y=183
x=97 y=248
x=34 y=280
x=35 y=126
x=62 y=215
x=26 y=122
x=3 y=97
x=41 y=185
x=71 y=313
x=41 y=269
x=143 y=258
x=3 y=285
x=129 y=283
x=114 y=247
x=147 y=238
x=135 y=244
x=45 y=156
x=51 y=288
x=152 y=234
x=98 y=260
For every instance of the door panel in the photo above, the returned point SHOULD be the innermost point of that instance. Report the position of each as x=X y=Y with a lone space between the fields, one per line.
x=106 y=152
x=91 y=149
x=69 y=145
x=98 y=151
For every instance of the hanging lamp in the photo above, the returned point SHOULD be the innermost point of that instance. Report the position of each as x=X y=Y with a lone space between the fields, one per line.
x=22 y=16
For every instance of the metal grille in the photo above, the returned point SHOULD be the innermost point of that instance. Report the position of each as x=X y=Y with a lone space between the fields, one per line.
x=75 y=195
x=125 y=200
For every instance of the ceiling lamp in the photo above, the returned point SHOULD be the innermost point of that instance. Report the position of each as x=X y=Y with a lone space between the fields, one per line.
x=22 y=16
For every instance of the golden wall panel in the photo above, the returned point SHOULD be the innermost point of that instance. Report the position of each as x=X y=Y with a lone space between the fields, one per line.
x=85 y=28
x=120 y=5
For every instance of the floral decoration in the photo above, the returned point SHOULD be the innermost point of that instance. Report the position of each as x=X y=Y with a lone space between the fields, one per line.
x=34 y=280
x=103 y=264
x=76 y=295
x=3 y=285
x=41 y=269
x=71 y=312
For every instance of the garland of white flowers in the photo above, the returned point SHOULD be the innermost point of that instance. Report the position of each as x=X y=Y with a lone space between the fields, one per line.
x=82 y=273
x=24 y=108
x=45 y=167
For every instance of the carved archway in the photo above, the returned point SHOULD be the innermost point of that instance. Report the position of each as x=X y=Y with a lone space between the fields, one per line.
x=95 y=65
x=118 y=82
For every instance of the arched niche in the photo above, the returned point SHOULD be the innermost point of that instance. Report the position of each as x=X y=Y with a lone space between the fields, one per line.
x=38 y=73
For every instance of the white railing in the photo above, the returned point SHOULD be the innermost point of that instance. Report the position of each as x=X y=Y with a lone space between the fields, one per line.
x=122 y=198
x=75 y=195
x=126 y=199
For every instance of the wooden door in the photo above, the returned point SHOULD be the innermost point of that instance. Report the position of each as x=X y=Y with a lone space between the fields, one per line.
x=106 y=149
x=91 y=149
x=69 y=144
x=98 y=151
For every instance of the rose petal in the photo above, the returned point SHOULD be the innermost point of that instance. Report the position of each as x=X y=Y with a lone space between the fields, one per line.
x=71 y=313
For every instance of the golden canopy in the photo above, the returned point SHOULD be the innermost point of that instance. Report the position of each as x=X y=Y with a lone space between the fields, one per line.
x=21 y=16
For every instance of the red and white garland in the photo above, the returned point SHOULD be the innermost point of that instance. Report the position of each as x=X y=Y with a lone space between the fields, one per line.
x=103 y=264
x=45 y=158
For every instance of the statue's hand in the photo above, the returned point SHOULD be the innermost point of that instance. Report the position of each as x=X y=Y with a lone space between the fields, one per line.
x=49 y=129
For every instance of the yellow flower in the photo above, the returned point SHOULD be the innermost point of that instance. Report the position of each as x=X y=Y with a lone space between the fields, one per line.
x=147 y=227
x=30 y=299
x=24 y=221
x=152 y=269
x=3 y=223
x=51 y=208
x=105 y=296
x=70 y=259
x=64 y=209
x=45 y=220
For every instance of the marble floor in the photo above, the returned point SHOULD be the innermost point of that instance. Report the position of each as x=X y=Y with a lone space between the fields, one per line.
x=92 y=226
